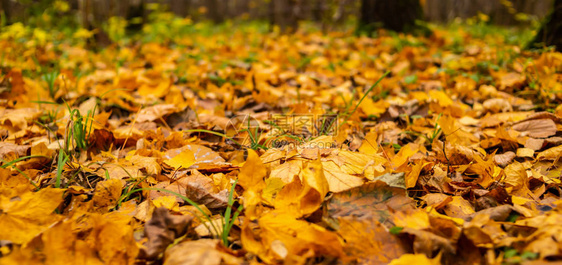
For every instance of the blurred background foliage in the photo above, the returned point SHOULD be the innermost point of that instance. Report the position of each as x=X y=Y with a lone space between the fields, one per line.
x=102 y=22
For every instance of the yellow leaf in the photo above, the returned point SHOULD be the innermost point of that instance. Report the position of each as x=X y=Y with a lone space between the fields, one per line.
x=339 y=180
x=281 y=236
x=440 y=97
x=525 y=152
x=40 y=35
x=306 y=197
x=418 y=259
x=287 y=171
x=27 y=215
x=369 y=241
x=519 y=200
x=313 y=175
x=411 y=178
x=403 y=155
x=107 y=193
x=515 y=176
x=41 y=149
x=374 y=108
x=83 y=33
x=272 y=188
x=184 y=160
x=454 y=132
x=370 y=144
x=251 y=178
x=168 y=202
x=434 y=213
x=155 y=112
x=550 y=154
x=62 y=247
x=416 y=220
x=113 y=238
x=253 y=172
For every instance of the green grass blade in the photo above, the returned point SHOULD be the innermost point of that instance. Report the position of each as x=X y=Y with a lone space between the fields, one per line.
x=227 y=213
x=363 y=97
x=235 y=216
x=7 y=164
x=60 y=164
x=367 y=92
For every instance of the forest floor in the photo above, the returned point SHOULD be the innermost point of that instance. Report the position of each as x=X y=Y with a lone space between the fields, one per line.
x=214 y=146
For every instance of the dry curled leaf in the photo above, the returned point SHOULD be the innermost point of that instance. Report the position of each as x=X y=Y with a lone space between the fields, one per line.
x=161 y=230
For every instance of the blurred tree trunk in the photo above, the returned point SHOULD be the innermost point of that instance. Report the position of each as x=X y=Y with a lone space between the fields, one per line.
x=4 y=10
x=180 y=7
x=550 y=33
x=318 y=13
x=14 y=11
x=397 y=15
x=500 y=12
x=284 y=13
x=94 y=13
x=217 y=10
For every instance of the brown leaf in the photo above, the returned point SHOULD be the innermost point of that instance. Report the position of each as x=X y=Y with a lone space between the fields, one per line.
x=150 y=164
x=436 y=200
x=496 y=105
x=201 y=189
x=369 y=242
x=162 y=229
x=428 y=243
x=200 y=252
x=504 y=159
x=483 y=231
x=7 y=148
x=155 y=112
x=541 y=128
x=370 y=201
x=535 y=144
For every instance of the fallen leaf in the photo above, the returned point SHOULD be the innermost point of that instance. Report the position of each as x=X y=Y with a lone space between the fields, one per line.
x=184 y=160
x=370 y=201
x=24 y=217
x=107 y=193
x=7 y=148
x=369 y=242
x=162 y=229
x=200 y=252
x=282 y=236
x=155 y=112
x=541 y=128
x=420 y=259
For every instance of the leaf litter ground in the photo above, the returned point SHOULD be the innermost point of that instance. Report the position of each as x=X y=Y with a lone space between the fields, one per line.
x=249 y=147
